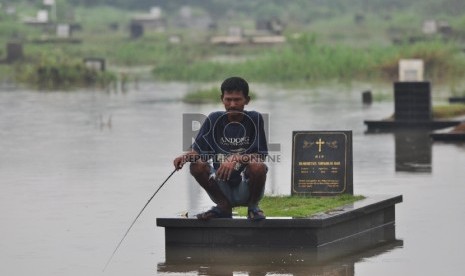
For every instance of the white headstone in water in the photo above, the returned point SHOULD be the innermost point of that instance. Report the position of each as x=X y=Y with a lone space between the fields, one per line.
x=430 y=27
x=42 y=16
x=186 y=12
x=411 y=70
x=155 y=12
x=63 y=30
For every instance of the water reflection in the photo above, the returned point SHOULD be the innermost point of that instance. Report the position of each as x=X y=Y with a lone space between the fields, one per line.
x=338 y=258
x=413 y=151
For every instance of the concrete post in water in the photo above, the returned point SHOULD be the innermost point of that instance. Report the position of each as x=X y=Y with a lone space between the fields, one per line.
x=367 y=98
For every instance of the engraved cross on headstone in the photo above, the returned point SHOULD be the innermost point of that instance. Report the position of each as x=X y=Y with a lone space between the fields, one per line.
x=320 y=143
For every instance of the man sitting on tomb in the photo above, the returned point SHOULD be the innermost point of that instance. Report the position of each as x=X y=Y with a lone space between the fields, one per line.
x=227 y=156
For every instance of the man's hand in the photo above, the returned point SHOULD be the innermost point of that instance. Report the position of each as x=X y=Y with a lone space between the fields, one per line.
x=191 y=156
x=180 y=161
x=227 y=167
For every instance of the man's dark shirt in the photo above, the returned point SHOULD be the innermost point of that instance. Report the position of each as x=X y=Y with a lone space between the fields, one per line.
x=218 y=137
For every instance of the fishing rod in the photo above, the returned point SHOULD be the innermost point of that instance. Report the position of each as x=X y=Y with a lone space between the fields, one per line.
x=138 y=215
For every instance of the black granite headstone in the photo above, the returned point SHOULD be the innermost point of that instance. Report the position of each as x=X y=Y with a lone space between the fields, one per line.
x=412 y=101
x=14 y=52
x=322 y=163
x=137 y=30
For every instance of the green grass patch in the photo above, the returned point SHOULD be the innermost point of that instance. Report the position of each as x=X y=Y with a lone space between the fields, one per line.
x=444 y=111
x=300 y=206
x=448 y=111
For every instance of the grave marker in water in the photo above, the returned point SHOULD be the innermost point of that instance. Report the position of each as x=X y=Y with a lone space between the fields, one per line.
x=14 y=52
x=42 y=16
x=322 y=163
x=137 y=30
x=155 y=12
x=63 y=31
x=412 y=101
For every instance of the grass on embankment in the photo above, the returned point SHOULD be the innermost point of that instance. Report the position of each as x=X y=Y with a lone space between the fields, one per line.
x=303 y=60
x=60 y=71
x=300 y=206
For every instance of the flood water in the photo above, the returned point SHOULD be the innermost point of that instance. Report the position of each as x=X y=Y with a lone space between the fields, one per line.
x=76 y=168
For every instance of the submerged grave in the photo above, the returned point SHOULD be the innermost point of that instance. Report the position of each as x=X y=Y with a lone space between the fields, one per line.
x=412 y=103
x=322 y=166
x=412 y=110
x=350 y=222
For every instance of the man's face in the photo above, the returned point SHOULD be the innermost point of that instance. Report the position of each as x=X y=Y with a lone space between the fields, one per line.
x=234 y=101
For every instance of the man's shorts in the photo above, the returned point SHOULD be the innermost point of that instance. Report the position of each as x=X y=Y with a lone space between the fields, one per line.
x=237 y=195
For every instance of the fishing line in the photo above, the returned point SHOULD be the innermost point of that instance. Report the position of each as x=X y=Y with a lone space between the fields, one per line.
x=138 y=215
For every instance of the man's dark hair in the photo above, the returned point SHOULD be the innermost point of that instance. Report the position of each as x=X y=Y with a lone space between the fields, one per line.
x=235 y=84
